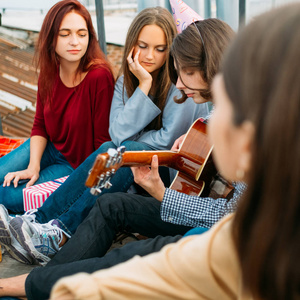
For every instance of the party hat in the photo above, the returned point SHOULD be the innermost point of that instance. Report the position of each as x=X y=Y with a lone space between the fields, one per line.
x=183 y=14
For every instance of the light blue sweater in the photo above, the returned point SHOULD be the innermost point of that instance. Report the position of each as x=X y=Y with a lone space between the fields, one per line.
x=127 y=122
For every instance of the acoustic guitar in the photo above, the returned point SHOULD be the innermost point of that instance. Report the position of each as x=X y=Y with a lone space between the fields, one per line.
x=193 y=162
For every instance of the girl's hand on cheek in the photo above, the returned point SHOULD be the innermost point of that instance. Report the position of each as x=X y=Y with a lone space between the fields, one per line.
x=144 y=77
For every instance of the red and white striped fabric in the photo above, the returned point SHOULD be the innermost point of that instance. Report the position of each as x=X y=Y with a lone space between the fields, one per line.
x=34 y=196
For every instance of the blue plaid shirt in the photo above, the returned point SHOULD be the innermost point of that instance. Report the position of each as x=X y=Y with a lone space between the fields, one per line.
x=193 y=211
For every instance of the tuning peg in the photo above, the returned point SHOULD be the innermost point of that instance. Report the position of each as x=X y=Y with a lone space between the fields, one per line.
x=95 y=191
x=107 y=185
x=121 y=149
x=112 y=152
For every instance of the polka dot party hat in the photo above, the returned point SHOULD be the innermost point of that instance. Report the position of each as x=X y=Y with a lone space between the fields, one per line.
x=183 y=14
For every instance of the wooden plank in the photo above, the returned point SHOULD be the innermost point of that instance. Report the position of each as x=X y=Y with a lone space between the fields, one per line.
x=17 y=89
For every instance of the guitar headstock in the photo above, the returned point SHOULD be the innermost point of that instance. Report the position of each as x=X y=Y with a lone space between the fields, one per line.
x=105 y=166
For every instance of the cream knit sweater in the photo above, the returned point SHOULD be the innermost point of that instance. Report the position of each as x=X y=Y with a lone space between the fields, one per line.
x=197 y=267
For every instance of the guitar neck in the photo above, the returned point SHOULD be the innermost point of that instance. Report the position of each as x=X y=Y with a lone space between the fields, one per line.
x=191 y=158
x=172 y=159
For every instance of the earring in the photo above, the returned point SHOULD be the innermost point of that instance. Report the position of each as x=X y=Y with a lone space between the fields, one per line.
x=240 y=174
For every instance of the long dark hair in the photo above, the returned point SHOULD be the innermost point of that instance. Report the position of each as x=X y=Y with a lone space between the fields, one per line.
x=261 y=75
x=46 y=58
x=161 y=17
x=188 y=50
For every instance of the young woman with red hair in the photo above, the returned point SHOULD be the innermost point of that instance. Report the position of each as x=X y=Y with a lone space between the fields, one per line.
x=75 y=90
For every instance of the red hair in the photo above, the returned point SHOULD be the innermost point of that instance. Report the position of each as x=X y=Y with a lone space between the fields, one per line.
x=46 y=58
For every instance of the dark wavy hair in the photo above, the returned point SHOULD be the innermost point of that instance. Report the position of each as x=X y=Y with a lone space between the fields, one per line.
x=188 y=51
x=46 y=59
x=261 y=75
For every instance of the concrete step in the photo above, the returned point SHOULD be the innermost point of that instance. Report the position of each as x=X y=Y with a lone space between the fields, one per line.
x=10 y=267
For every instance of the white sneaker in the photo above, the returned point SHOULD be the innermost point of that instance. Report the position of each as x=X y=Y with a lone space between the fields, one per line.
x=40 y=240
x=9 y=242
x=30 y=215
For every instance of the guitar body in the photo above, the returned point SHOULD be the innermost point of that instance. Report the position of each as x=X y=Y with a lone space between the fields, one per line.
x=196 y=146
x=186 y=185
x=192 y=161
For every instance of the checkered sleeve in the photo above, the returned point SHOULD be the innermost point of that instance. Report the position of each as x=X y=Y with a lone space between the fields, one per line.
x=193 y=211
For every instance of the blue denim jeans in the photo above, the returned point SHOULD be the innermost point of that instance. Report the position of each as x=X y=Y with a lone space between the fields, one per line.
x=72 y=201
x=196 y=230
x=53 y=165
